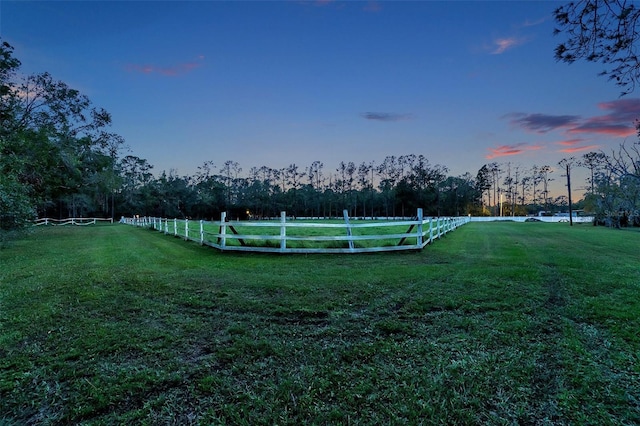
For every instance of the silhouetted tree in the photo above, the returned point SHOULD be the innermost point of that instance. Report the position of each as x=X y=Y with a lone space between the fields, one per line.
x=602 y=31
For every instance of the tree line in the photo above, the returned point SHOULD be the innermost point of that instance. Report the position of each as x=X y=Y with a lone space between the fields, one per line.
x=394 y=187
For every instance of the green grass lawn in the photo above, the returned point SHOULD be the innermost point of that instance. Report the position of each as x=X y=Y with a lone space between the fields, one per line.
x=497 y=323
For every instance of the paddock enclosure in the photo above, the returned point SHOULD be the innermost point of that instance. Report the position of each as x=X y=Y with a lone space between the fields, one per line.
x=289 y=235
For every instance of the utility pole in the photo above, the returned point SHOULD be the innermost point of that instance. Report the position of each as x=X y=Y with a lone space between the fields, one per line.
x=567 y=162
x=569 y=190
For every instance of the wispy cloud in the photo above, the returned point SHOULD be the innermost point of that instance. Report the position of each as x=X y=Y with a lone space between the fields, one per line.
x=529 y=23
x=574 y=149
x=501 y=45
x=386 y=116
x=170 y=71
x=541 y=123
x=571 y=146
x=603 y=128
x=507 y=150
x=570 y=142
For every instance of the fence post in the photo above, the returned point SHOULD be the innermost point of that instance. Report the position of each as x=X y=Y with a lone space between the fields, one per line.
x=430 y=229
x=345 y=214
x=201 y=232
x=175 y=227
x=419 y=238
x=186 y=229
x=223 y=230
x=166 y=225
x=283 y=231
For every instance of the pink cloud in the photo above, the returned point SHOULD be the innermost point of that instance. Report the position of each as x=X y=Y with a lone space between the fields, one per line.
x=501 y=45
x=573 y=145
x=593 y=126
x=619 y=122
x=570 y=142
x=624 y=109
x=579 y=149
x=507 y=150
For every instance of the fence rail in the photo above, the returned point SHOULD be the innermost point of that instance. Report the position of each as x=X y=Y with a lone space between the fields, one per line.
x=295 y=236
x=547 y=219
x=71 y=221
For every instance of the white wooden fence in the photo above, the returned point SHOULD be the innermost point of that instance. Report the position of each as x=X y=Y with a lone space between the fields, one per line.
x=547 y=219
x=71 y=221
x=294 y=236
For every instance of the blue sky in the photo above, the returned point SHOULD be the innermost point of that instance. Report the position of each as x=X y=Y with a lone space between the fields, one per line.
x=271 y=83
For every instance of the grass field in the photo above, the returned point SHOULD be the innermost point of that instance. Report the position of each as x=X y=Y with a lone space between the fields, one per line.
x=497 y=323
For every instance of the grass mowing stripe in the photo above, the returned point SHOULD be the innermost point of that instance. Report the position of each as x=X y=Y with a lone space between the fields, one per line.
x=498 y=323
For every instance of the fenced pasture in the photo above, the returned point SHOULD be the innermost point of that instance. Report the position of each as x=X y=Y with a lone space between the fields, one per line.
x=81 y=221
x=498 y=323
x=288 y=235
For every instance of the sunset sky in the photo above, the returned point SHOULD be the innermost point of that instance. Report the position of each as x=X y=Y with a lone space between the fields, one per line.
x=271 y=83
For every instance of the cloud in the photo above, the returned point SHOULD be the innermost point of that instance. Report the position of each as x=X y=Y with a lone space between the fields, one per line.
x=619 y=122
x=542 y=123
x=627 y=109
x=603 y=128
x=169 y=71
x=386 y=116
x=570 y=142
x=507 y=150
x=501 y=45
x=574 y=149
x=573 y=145
x=529 y=23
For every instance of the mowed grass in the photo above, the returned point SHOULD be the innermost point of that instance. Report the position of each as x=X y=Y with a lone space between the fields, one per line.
x=496 y=323
x=321 y=233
